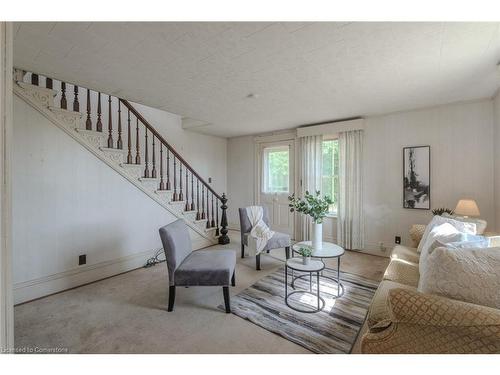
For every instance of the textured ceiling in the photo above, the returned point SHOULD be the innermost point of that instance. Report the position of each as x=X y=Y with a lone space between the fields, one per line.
x=300 y=72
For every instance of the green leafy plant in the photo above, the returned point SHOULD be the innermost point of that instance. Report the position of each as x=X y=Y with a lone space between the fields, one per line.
x=305 y=251
x=312 y=205
x=442 y=210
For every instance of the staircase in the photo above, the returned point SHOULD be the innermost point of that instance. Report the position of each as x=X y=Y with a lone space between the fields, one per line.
x=115 y=132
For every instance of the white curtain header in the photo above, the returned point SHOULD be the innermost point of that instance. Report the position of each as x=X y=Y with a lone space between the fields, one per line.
x=331 y=128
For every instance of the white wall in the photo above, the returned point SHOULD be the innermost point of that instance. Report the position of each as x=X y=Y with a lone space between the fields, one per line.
x=460 y=136
x=496 y=146
x=240 y=173
x=66 y=202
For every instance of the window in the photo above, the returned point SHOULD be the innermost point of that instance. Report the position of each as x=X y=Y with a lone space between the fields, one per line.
x=276 y=170
x=330 y=175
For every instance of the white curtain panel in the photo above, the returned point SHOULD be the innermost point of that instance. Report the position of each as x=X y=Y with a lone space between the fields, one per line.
x=350 y=229
x=311 y=161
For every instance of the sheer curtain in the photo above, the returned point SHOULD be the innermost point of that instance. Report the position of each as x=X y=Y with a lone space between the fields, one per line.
x=350 y=230
x=311 y=160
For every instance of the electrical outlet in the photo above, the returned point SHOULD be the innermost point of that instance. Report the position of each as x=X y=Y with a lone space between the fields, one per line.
x=381 y=246
x=397 y=239
x=82 y=259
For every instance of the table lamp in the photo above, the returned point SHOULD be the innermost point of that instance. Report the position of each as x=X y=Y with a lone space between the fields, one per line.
x=466 y=208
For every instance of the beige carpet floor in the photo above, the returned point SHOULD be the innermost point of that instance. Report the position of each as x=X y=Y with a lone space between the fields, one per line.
x=127 y=313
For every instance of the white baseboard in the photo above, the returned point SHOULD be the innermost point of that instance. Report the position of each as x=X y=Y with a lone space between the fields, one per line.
x=374 y=249
x=43 y=286
x=369 y=248
x=233 y=226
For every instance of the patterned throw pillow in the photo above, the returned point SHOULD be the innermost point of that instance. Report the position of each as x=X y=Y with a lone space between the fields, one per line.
x=439 y=234
x=469 y=275
x=469 y=228
x=416 y=233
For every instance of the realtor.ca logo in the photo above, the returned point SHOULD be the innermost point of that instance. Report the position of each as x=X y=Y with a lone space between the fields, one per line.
x=33 y=350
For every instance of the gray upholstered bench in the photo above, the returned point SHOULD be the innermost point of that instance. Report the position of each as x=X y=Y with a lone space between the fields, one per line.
x=195 y=268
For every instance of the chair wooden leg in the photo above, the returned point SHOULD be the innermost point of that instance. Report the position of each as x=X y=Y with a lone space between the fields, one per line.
x=225 y=291
x=287 y=252
x=233 y=279
x=257 y=262
x=171 y=297
x=242 y=251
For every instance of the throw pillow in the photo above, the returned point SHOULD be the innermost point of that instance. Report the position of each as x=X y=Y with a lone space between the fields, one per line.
x=469 y=228
x=480 y=224
x=469 y=275
x=416 y=233
x=468 y=241
x=439 y=235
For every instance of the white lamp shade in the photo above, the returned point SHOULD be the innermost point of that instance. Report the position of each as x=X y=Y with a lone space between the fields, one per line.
x=467 y=207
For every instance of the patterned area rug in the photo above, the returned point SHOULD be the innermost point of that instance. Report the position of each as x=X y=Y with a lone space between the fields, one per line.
x=333 y=330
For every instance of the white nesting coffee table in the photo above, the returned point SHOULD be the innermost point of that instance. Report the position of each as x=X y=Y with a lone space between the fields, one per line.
x=328 y=250
x=314 y=266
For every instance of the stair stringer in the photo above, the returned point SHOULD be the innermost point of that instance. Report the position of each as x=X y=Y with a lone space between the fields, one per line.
x=42 y=100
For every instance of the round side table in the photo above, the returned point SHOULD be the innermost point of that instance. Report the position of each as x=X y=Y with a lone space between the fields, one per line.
x=329 y=250
x=313 y=267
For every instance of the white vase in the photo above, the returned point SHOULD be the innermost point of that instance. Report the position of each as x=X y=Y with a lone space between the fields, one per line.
x=305 y=260
x=317 y=236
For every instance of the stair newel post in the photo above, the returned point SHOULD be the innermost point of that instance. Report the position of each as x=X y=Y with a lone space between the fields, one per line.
x=174 y=196
x=146 y=156
x=208 y=211
x=137 y=148
x=168 y=170
x=198 y=216
x=119 y=142
x=153 y=156
x=34 y=79
x=203 y=215
x=187 y=191
x=217 y=216
x=88 y=122
x=76 y=103
x=181 y=196
x=110 y=124
x=98 y=125
x=223 y=238
x=129 y=140
x=49 y=83
x=162 y=184
x=64 y=103
x=192 y=192
x=212 y=223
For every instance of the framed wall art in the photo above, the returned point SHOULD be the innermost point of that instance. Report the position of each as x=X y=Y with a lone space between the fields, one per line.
x=417 y=177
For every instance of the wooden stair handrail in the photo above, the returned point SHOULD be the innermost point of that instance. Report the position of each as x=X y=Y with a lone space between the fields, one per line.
x=223 y=238
x=166 y=144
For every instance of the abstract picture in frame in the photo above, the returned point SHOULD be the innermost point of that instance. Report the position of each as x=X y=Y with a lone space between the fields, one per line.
x=417 y=177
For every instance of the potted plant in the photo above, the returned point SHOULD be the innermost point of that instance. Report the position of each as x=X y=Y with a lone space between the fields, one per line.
x=317 y=208
x=306 y=253
x=441 y=211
